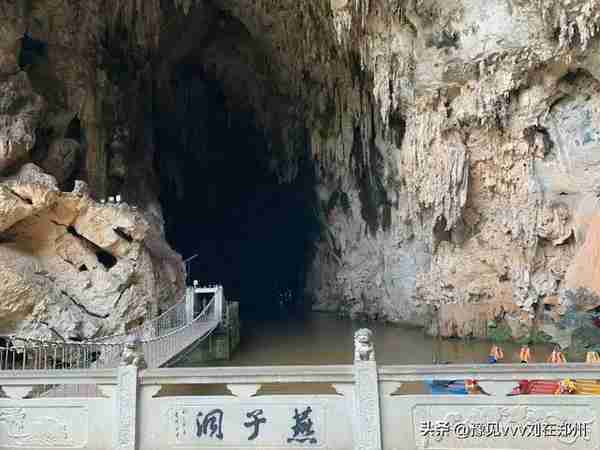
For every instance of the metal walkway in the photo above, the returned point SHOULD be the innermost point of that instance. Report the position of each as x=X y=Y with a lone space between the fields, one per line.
x=161 y=338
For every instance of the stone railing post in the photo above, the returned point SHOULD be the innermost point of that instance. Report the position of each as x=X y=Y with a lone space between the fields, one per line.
x=132 y=360
x=366 y=397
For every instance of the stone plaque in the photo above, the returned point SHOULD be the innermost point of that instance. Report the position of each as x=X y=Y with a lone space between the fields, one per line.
x=531 y=426
x=248 y=424
x=43 y=427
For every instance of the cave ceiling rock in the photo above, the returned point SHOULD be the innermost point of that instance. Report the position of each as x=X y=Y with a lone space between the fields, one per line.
x=224 y=50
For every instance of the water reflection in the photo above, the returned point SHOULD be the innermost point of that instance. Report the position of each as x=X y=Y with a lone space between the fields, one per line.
x=319 y=338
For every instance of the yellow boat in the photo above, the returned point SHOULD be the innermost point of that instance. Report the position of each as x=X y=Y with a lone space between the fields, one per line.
x=587 y=387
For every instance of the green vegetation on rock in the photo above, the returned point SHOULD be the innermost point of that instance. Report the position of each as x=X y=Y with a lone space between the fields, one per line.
x=535 y=337
x=498 y=332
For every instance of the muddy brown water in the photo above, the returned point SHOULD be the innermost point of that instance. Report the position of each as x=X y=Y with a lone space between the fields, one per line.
x=321 y=338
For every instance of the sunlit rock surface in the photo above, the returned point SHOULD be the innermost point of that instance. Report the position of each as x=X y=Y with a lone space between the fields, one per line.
x=74 y=268
x=455 y=145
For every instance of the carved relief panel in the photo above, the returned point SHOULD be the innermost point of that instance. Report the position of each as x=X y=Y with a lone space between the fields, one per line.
x=43 y=427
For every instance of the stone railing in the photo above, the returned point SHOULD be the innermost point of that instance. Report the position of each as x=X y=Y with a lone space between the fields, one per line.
x=358 y=406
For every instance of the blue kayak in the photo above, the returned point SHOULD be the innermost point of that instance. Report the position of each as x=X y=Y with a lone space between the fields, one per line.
x=443 y=387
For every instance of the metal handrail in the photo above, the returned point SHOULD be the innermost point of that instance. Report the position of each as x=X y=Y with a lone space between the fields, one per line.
x=145 y=326
x=199 y=317
x=41 y=354
x=160 y=350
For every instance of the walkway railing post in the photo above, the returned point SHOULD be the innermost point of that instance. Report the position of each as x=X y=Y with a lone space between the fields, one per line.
x=366 y=384
x=132 y=360
x=219 y=303
x=189 y=303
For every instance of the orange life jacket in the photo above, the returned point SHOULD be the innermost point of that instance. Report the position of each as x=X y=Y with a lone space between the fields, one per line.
x=557 y=357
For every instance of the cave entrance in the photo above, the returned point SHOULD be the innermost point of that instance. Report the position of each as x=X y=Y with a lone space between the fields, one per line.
x=221 y=199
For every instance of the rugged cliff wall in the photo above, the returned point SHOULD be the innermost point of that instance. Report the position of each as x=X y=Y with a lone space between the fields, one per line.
x=71 y=267
x=454 y=142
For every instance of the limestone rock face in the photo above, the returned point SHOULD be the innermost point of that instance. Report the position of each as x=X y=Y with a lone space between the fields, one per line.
x=456 y=144
x=74 y=268
x=11 y=30
x=488 y=164
x=20 y=112
x=61 y=160
x=584 y=269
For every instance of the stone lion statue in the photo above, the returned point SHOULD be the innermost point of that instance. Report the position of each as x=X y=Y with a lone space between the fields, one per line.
x=132 y=354
x=363 y=345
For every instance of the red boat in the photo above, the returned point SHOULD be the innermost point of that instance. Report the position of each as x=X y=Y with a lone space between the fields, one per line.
x=536 y=387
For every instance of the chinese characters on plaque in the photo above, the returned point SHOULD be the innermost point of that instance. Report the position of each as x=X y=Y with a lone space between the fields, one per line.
x=303 y=430
x=255 y=422
x=210 y=425
x=293 y=424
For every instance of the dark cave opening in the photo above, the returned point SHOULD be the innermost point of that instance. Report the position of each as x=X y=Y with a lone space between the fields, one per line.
x=222 y=201
x=33 y=51
x=106 y=259
x=74 y=130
